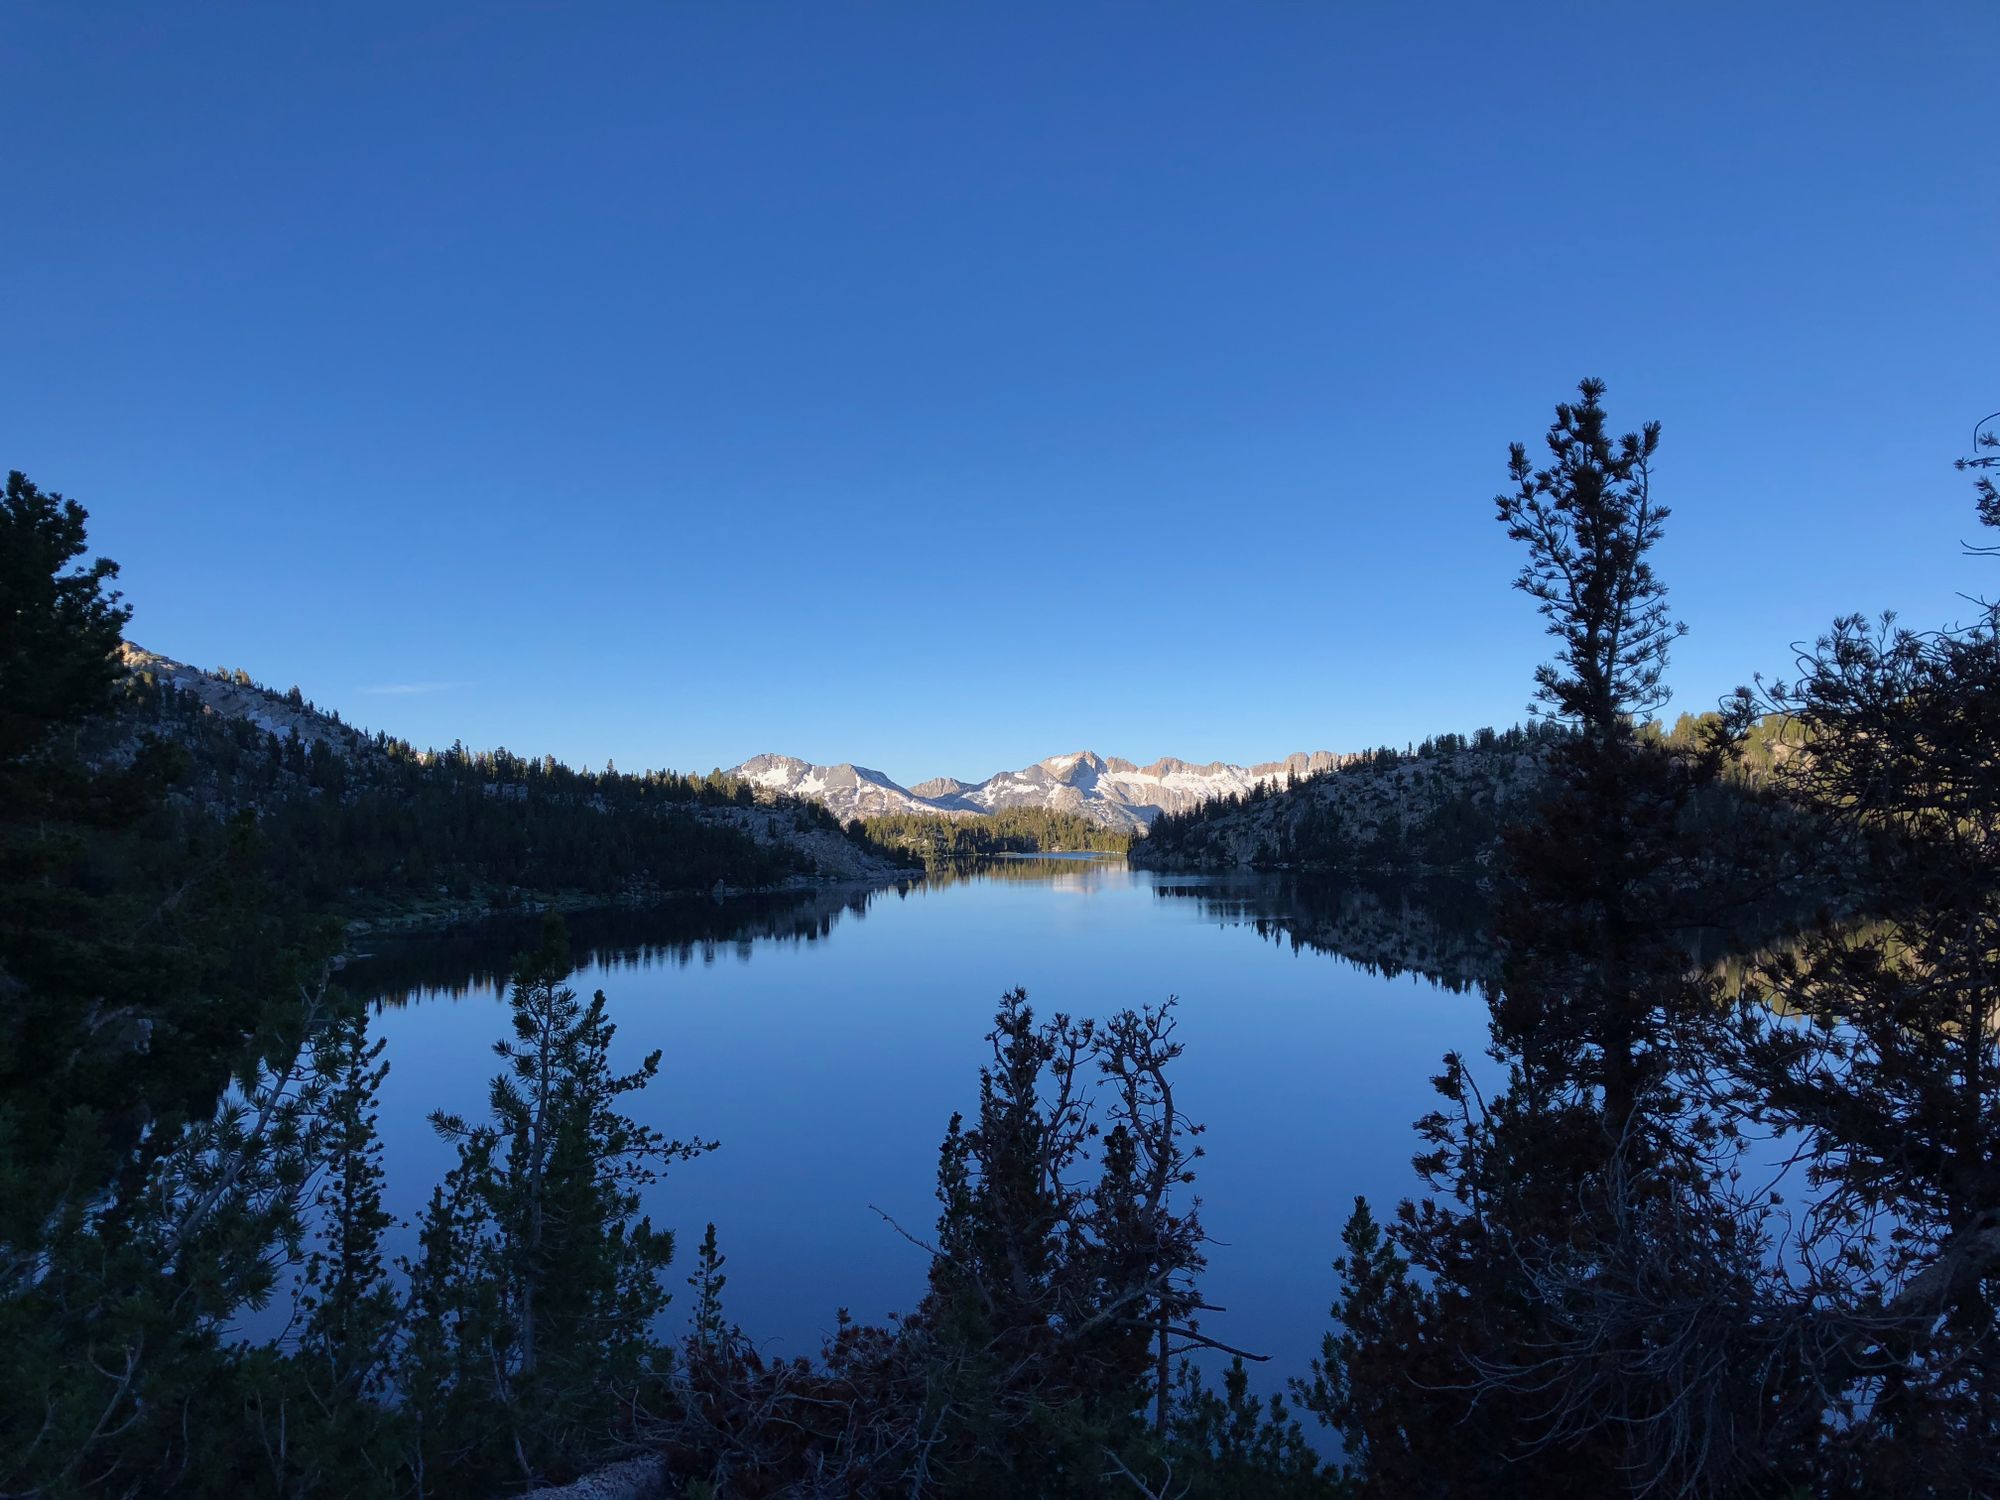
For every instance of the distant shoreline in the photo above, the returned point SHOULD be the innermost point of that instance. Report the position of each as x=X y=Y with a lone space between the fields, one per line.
x=418 y=919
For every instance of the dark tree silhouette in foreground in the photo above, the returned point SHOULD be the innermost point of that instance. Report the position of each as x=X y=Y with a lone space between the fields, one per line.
x=536 y=1293
x=1537 y=1325
x=1589 y=521
x=1877 y=1045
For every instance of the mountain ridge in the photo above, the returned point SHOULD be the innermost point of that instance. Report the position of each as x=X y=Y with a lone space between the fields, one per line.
x=253 y=749
x=1109 y=790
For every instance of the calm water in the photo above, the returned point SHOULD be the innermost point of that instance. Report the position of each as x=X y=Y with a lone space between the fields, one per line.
x=826 y=1040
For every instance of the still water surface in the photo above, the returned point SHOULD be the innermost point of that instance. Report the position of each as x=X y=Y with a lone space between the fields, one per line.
x=825 y=1041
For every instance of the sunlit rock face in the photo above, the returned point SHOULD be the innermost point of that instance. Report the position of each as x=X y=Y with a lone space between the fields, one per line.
x=1115 y=793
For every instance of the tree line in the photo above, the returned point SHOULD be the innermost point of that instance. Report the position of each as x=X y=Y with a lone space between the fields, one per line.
x=1451 y=822
x=1005 y=830
x=1442 y=805
x=367 y=825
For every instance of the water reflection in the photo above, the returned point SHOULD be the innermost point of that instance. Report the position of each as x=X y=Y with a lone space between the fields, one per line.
x=478 y=957
x=1434 y=926
x=826 y=1038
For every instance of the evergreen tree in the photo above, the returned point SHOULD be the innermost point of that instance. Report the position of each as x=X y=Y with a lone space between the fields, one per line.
x=1589 y=519
x=539 y=1279
x=158 y=1085
x=709 y=1326
x=1066 y=1299
x=59 y=623
x=1878 y=1046
x=1570 y=1327
x=345 y=1431
x=349 y=1307
x=119 y=1372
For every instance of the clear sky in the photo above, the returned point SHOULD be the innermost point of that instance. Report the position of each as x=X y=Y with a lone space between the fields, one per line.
x=941 y=387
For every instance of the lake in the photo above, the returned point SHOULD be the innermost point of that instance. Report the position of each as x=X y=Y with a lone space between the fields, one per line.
x=825 y=1039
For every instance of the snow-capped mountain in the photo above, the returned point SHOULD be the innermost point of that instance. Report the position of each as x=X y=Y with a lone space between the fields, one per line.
x=850 y=791
x=1105 y=789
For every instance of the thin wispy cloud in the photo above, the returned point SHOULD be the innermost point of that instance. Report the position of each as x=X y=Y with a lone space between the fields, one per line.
x=412 y=689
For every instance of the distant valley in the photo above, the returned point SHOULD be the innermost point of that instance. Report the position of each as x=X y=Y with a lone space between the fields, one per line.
x=1112 y=793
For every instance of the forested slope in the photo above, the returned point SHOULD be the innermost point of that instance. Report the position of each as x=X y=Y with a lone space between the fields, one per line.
x=367 y=824
x=1440 y=805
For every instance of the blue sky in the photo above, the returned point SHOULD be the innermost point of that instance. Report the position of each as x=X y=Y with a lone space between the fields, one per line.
x=943 y=387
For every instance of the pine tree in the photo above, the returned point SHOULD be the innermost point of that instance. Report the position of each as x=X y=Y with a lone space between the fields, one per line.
x=541 y=1279
x=709 y=1327
x=1068 y=1297
x=59 y=624
x=1588 y=520
x=1878 y=1045
x=1582 y=1220
x=349 y=1308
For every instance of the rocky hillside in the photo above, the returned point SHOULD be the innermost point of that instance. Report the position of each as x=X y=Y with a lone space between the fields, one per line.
x=1112 y=793
x=233 y=696
x=1440 y=808
x=373 y=822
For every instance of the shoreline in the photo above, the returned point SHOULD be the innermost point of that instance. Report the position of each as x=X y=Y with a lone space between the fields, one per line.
x=418 y=919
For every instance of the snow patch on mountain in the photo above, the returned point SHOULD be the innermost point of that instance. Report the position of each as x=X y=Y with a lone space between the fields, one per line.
x=1113 y=792
x=851 y=791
